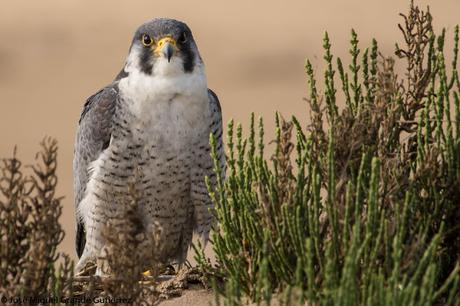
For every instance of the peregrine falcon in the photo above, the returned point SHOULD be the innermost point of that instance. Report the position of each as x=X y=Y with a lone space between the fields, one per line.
x=149 y=127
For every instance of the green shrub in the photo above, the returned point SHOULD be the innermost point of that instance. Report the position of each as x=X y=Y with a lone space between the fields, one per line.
x=360 y=208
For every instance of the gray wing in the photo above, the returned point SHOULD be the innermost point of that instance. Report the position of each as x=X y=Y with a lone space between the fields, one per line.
x=217 y=128
x=93 y=136
x=203 y=216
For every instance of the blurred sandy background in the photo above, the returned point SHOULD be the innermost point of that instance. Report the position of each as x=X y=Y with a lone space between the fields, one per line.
x=55 y=53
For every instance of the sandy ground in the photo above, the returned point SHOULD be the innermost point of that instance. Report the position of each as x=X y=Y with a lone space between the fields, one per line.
x=191 y=297
x=54 y=54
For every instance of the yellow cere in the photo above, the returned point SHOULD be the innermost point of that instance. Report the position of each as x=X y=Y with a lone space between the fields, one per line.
x=165 y=40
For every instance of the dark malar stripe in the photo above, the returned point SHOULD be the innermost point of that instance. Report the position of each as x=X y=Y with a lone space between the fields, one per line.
x=188 y=57
x=146 y=61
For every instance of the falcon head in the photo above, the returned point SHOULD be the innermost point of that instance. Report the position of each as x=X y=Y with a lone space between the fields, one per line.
x=162 y=46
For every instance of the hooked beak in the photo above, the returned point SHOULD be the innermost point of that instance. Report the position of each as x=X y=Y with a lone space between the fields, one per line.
x=167 y=47
x=168 y=51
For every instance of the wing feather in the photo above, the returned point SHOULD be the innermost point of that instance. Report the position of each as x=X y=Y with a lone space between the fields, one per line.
x=203 y=217
x=217 y=128
x=93 y=136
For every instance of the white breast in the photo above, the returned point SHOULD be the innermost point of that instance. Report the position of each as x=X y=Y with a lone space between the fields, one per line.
x=170 y=103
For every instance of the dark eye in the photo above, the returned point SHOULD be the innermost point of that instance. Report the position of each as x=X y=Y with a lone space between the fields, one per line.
x=146 y=40
x=183 y=37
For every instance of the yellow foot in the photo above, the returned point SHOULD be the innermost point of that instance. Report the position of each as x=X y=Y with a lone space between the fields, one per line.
x=147 y=273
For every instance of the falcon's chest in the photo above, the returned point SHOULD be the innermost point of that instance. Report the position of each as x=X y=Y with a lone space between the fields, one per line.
x=170 y=111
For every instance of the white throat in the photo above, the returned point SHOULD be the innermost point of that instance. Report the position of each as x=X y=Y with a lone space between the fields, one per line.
x=168 y=93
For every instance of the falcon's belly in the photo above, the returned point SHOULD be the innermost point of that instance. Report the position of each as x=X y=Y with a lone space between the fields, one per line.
x=160 y=174
x=156 y=137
